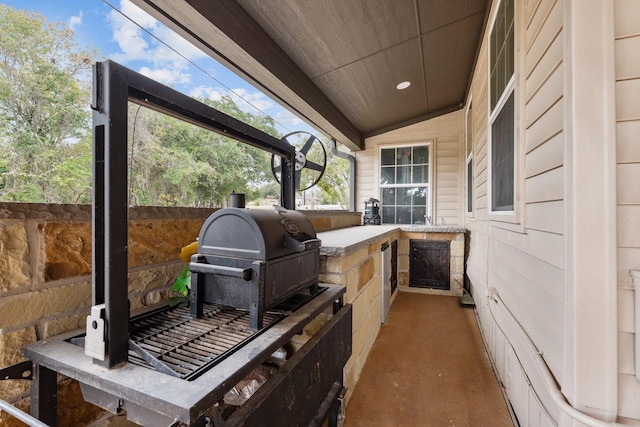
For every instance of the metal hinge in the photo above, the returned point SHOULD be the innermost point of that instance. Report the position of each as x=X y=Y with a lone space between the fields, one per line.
x=19 y=371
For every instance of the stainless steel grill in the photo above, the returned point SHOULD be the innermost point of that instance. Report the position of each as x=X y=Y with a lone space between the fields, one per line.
x=172 y=342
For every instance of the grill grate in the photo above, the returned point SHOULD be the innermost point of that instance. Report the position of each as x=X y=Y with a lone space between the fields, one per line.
x=173 y=342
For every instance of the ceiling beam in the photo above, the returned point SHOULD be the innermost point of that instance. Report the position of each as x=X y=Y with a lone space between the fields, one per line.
x=229 y=34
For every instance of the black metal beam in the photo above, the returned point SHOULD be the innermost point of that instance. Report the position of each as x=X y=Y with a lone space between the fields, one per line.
x=114 y=87
x=44 y=395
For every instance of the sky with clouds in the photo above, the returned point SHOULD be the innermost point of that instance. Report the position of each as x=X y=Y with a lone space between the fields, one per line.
x=118 y=29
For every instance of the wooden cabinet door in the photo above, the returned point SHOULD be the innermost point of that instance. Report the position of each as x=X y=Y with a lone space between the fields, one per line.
x=429 y=264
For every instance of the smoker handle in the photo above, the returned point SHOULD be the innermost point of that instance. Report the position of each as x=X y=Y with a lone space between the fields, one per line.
x=243 y=273
x=305 y=245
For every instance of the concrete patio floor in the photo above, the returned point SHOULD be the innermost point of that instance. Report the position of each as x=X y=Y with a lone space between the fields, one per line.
x=428 y=367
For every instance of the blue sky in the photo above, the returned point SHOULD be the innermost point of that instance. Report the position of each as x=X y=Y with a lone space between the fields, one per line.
x=98 y=25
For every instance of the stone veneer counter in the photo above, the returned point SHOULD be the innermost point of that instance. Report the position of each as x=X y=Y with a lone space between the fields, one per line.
x=342 y=242
x=346 y=240
x=351 y=257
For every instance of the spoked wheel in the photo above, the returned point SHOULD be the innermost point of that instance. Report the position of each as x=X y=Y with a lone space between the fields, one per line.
x=311 y=160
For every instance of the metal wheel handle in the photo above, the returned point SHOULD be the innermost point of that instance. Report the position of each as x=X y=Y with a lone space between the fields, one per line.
x=310 y=157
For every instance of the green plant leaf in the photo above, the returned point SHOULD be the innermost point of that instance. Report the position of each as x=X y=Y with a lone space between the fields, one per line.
x=182 y=284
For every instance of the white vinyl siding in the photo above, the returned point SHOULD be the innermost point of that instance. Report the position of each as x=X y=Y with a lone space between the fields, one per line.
x=526 y=266
x=627 y=46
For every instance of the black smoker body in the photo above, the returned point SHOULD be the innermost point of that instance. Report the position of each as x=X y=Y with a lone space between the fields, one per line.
x=253 y=260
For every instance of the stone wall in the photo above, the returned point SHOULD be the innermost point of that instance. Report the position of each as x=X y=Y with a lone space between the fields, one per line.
x=456 y=267
x=45 y=279
x=359 y=269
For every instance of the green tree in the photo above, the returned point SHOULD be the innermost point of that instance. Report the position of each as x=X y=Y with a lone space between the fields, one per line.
x=334 y=185
x=44 y=98
x=174 y=163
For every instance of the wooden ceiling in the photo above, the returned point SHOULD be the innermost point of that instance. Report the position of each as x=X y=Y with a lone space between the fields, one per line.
x=336 y=63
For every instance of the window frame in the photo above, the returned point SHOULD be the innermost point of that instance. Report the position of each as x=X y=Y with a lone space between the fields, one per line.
x=429 y=185
x=510 y=219
x=469 y=179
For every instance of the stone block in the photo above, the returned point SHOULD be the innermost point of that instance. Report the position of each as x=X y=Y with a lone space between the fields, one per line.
x=155 y=241
x=352 y=284
x=14 y=257
x=67 y=249
x=155 y=277
x=359 y=313
x=33 y=306
x=457 y=249
x=403 y=263
x=441 y=236
x=63 y=325
x=332 y=278
x=403 y=246
x=334 y=264
x=350 y=261
x=366 y=273
x=72 y=408
x=403 y=278
x=11 y=345
x=457 y=265
x=11 y=353
x=321 y=223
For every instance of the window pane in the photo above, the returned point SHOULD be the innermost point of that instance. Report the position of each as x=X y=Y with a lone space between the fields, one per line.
x=404 y=196
x=501 y=59
x=502 y=159
x=403 y=215
x=420 y=174
x=421 y=155
x=420 y=196
x=388 y=175
x=402 y=202
x=388 y=196
x=404 y=175
x=470 y=185
x=404 y=155
x=389 y=214
x=418 y=215
x=388 y=156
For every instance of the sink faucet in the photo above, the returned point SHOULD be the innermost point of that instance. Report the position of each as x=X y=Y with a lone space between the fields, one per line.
x=428 y=219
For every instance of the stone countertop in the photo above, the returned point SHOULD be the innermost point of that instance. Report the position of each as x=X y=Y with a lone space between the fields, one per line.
x=347 y=240
x=433 y=229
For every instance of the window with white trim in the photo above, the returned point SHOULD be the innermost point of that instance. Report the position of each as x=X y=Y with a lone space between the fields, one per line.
x=469 y=170
x=404 y=184
x=502 y=129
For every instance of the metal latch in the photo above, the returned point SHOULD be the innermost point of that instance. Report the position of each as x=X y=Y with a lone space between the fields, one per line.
x=342 y=409
x=94 y=344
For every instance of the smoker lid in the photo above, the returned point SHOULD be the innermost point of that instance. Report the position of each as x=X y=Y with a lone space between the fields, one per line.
x=258 y=234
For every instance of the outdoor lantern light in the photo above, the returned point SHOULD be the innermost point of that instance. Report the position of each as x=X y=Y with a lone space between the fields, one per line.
x=371 y=211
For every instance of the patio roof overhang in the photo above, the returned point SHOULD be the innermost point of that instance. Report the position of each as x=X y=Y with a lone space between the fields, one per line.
x=336 y=64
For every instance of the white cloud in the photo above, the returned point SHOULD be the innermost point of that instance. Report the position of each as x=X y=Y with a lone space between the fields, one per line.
x=163 y=63
x=76 y=20
x=287 y=118
x=249 y=101
x=253 y=102
x=206 y=92
x=167 y=76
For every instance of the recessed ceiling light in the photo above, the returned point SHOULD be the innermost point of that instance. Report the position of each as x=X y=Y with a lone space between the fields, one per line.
x=403 y=85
